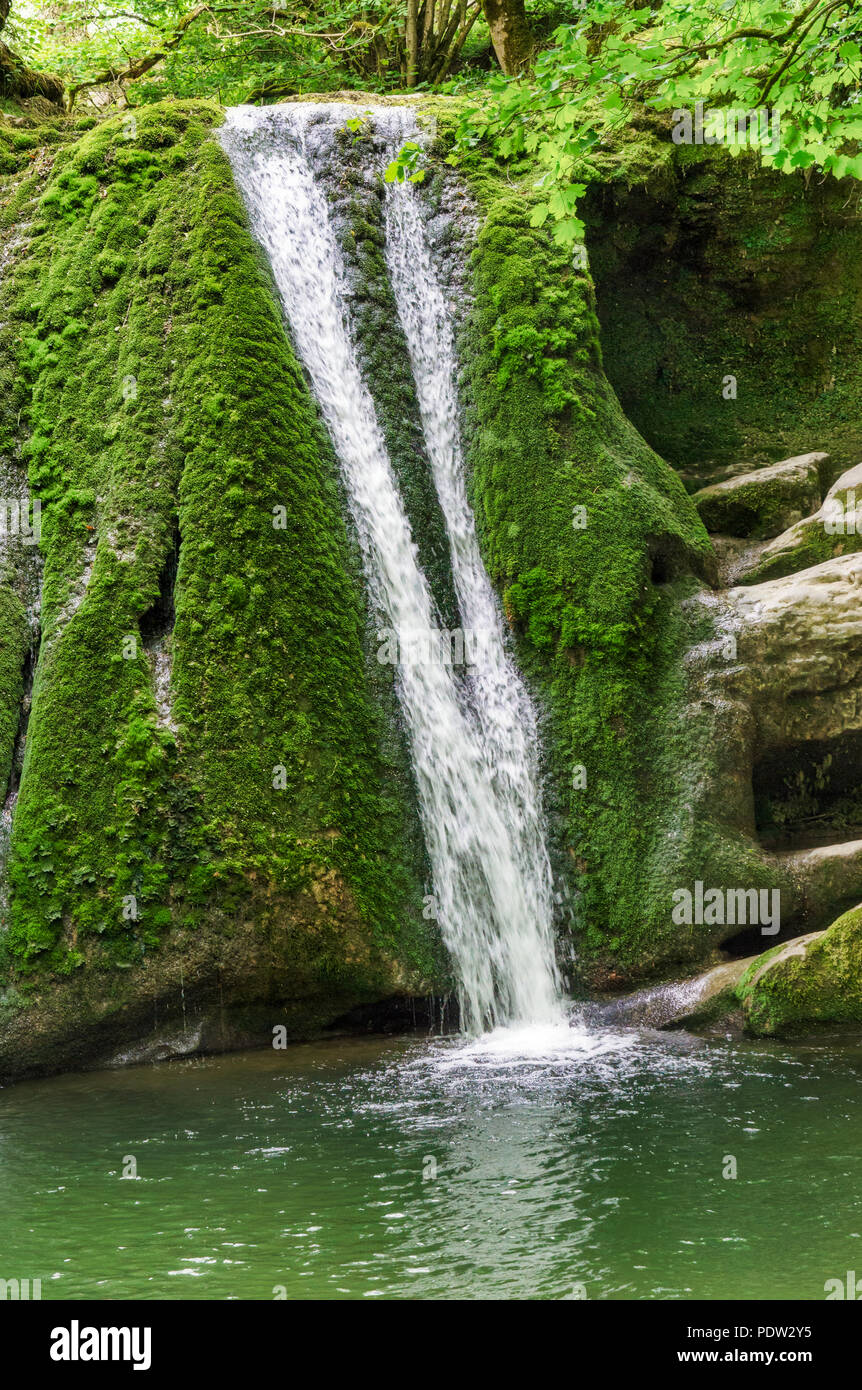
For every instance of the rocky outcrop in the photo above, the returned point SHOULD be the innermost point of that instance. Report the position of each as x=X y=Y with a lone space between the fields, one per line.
x=764 y=503
x=834 y=529
x=782 y=675
x=812 y=981
x=729 y=299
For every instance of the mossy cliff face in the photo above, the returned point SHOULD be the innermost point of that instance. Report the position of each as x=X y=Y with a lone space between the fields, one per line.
x=215 y=832
x=236 y=837
x=710 y=268
x=595 y=547
x=659 y=697
x=579 y=519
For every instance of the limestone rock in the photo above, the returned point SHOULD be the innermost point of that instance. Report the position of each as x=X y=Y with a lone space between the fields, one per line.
x=800 y=639
x=775 y=689
x=700 y=999
x=806 y=983
x=831 y=531
x=764 y=503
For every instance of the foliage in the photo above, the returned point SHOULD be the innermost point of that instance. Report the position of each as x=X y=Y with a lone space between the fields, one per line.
x=407 y=166
x=802 y=60
x=249 y=50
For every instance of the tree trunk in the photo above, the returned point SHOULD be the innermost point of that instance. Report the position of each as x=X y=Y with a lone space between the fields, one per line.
x=412 y=41
x=19 y=81
x=510 y=34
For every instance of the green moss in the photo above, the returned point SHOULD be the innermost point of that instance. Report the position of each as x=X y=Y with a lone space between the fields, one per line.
x=22 y=146
x=807 y=983
x=831 y=531
x=814 y=547
x=591 y=538
x=709 y=266
x=14 y=645
x=162 y=407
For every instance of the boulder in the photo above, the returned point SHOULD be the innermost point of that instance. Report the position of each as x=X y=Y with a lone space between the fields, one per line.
x=766 y=502
x=806 y=983
x=833 y=530
x=800 y=640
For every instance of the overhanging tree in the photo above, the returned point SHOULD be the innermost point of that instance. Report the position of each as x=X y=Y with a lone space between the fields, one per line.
x=257 y=50
x=802 y=58
x=19 y=82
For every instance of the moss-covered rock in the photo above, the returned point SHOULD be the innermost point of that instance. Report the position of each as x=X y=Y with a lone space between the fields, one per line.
x=764 y=503
x=811 y=981
x=593 y=542
x=14 y=646
x=233 y=848
x=834 y=529
x=653 y=707
x=189 y=499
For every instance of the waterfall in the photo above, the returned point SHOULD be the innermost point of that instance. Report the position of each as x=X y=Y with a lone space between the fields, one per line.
x=473 y=737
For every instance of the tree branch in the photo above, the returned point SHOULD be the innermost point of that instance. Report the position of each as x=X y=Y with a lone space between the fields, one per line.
x=141 y=65
x=768 y=35
x=771 y=81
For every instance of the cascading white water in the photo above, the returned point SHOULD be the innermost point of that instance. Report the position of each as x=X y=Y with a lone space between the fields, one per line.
x=472 y=743
x=506 y=715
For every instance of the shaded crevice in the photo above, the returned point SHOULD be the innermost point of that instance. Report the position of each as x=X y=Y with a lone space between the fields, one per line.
x=158 y=620
x=7 y=811
x=660 y=572
x=697 y=282
x=809 y=795
x=156 y=628
x=669 y=560
x=27 y=675
x=751 y=941
x=427 y=1014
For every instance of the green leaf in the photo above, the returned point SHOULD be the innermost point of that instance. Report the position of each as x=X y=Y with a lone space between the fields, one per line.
x=569 y=230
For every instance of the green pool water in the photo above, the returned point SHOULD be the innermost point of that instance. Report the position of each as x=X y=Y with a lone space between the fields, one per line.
x=415 y=1168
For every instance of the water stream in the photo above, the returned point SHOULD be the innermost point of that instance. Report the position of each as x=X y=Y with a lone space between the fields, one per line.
x=472 y=739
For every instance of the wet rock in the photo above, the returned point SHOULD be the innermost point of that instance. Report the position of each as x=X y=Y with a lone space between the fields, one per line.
x=701 y=999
